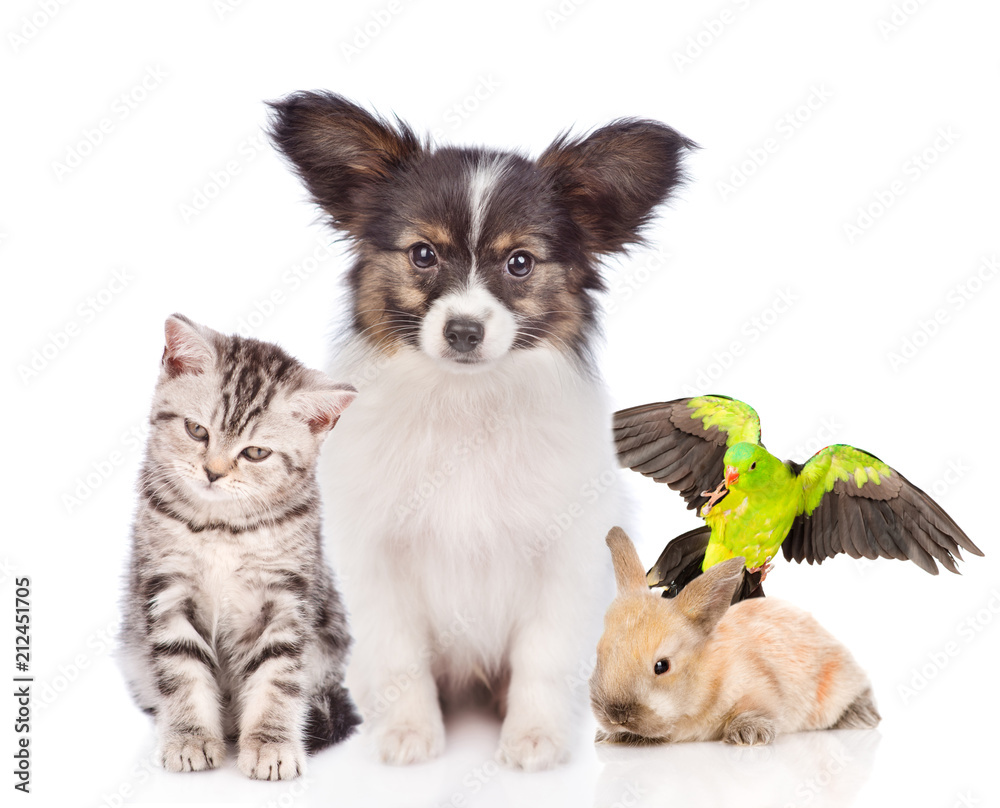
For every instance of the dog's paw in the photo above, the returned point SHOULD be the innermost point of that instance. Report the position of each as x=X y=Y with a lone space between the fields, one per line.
x=749 y=729
x=183 y=752
x=271 y=761
x=533 y=750
x=402 y=744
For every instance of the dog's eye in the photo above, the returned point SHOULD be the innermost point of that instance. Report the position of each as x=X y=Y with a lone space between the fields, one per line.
x=422 y=255
x=661 y=666
x=520 y=264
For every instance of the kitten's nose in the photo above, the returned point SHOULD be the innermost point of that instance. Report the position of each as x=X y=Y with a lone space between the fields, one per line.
x=463 y=335
x=212 y=476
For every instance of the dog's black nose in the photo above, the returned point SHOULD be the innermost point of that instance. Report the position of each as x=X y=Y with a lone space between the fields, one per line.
x=463 y=335
x=212 y=476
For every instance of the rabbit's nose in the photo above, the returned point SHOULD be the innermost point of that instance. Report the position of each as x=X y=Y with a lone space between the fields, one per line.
x=620 y=713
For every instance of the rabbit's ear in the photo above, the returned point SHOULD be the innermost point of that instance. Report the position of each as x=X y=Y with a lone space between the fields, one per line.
x=629 y=573
x=707 y=597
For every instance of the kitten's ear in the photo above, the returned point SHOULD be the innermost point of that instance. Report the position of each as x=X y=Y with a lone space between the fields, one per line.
x=321 y=407
x=187 y=349
x=613 y=179
x=341 y=151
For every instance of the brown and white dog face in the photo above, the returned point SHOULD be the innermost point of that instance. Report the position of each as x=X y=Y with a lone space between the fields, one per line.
x=468 y=254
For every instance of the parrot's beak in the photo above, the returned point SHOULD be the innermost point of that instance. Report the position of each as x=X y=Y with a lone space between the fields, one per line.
x=732 y=475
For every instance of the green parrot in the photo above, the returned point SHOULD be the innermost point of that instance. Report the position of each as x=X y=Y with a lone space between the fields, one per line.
x=843 y=500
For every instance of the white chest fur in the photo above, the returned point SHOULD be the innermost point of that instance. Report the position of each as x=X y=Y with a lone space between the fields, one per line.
x=222 y=574
x=458 y=502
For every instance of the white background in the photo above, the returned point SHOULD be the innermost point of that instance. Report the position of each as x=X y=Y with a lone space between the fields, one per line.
x=760 y=291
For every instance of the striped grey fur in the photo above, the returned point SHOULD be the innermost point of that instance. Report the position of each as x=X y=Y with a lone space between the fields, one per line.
x=232 y=626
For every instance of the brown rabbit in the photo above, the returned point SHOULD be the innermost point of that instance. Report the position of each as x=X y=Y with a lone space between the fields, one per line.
x=694 y=668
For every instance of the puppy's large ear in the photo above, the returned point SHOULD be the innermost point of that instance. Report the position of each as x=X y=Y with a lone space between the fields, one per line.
x=340 y=150
x=614 y=178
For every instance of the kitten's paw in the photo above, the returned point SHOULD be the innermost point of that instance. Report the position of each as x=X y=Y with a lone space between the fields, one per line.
x=405 y=743
x=271 y=761
x=533 y=750
x=749 y=729
x=191 y=753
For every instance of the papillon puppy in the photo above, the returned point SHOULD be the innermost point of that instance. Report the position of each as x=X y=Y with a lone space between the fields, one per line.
x=471 y=484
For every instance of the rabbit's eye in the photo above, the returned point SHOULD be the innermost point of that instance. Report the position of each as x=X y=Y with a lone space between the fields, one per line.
x=661 y=666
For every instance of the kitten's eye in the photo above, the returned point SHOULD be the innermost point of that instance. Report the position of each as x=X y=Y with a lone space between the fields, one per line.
x=422 y=255
x=661 y=666
x=255 y=453
x=753 y=465
x=196 y=431
x=520 y=264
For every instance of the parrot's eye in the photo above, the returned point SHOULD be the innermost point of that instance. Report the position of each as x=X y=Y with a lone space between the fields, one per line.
x=753 y=465
x=661 y=666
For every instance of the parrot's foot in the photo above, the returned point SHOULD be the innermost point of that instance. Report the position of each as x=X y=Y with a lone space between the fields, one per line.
x=764 y=569
x=713 y=497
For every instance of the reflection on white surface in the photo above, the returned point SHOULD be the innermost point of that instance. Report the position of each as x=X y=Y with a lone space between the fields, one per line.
x=807 y=768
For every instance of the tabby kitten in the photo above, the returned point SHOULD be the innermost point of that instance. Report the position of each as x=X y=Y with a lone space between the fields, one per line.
x=232 y=626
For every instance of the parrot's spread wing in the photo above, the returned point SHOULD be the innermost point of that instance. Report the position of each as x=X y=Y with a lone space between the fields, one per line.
x=681 y=561
x=682 y=442
x=854 y=503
